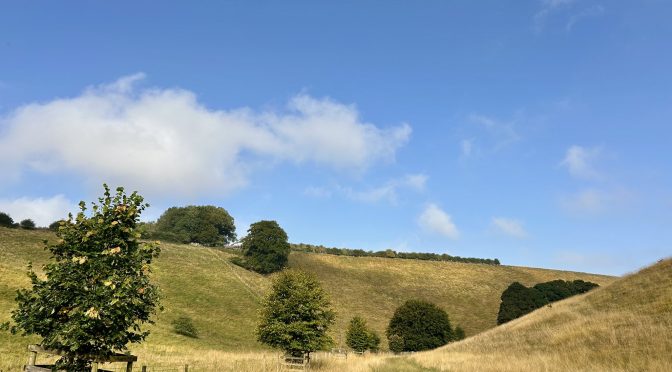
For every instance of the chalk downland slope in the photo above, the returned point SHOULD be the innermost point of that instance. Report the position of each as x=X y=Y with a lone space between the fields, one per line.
x=625 y=326
x=223 y=299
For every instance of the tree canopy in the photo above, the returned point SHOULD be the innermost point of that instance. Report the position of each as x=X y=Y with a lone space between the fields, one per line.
x=419 y=325
x=296 y=314
x=96 y=292
x=27 y=224
x=265 y=248
x=6 y=220
x=359 y=337
x=518 y=300
x=203 y=224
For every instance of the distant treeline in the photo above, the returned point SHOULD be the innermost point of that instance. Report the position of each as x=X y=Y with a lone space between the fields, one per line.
x=301 y=247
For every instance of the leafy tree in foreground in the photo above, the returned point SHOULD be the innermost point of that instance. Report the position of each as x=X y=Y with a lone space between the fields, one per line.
x=265 y=248
x=27 y=224
x=96 y=293
x=421 y=325
x=360 y=338
x=296 y=315
x=6 y=220
x=203 y=224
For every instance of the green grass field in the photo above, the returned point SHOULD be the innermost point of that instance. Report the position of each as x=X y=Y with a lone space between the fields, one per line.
x=223 y=299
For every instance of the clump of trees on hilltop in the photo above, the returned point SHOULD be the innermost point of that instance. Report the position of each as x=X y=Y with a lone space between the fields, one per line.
x=518 y=300
x=389 y=253
x=203 y=224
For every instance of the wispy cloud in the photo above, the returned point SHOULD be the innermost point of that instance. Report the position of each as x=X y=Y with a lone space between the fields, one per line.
x=434 y=219
x=43 y=211
x=580 y=160
x=165 y=141
x=548 y=7
x=500 y=133
x=593 y=11
x=594 y=201
x=510 y=227
x=566 y=10
x=387 y=192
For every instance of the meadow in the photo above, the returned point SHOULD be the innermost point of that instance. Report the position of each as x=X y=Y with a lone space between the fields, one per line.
x=223 y=300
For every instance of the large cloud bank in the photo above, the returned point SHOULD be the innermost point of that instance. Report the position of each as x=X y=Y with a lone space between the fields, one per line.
x=165 y=141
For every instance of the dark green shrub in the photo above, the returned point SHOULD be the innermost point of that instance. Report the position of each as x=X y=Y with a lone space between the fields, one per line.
x=422 y=326
x=265 y=248
x=458 y=334
x=395 y=343
x=360 y=338
x=27 y=224
x=518 y=300
x=185 y=326
x=6 y=220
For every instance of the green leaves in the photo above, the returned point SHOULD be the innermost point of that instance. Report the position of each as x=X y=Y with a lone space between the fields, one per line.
x=97 y=290
x=359 y=337
x=296 y=314
x=265 y=247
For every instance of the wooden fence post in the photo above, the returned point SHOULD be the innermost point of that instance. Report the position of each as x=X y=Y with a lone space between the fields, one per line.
x=144 y=368
x=186 y=368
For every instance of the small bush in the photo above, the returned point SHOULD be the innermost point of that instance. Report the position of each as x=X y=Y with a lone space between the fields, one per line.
x=458 y=334
x=185 y=326
x=27 y=224
x=360 y=338
x=396 y=343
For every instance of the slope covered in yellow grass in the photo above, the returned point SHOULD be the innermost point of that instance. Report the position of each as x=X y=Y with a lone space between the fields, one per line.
x=223 y=299
x=625 y=326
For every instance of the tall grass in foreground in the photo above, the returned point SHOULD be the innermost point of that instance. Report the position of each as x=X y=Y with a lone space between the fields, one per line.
x=626 y=326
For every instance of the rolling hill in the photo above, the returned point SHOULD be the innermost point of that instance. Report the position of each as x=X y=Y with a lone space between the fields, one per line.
x=625 y=326
x=223 y=299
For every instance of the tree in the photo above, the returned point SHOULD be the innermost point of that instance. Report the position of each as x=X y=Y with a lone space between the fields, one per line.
x=265 y=248
x=96 y=292
x=296 y=315
x=421 y=326
x=6 y=220
x=203 y=224
x=55 y=225
x=360 y=338
x=27 y=224
x=518 y=300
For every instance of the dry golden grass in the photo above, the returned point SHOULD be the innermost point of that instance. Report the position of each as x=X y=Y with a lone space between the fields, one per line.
x=626 y=326
x=223 y=299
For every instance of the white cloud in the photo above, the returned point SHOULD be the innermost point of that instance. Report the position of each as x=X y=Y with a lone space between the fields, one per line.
x=596 y=201
x=500 y=133
x=579 y=162
x=593 y=11
x=317 y=192
x=549 y=7
x=466 y=148
x=165 y=141
x=388 y=192
x=434 y=219
x=43 y=211
x=509 y=227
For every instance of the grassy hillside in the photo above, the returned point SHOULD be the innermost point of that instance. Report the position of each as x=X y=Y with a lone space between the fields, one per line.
x=625 y=326
x=223 y=299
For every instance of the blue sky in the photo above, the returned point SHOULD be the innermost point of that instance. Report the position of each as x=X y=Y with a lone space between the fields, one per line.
x=536 y=132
